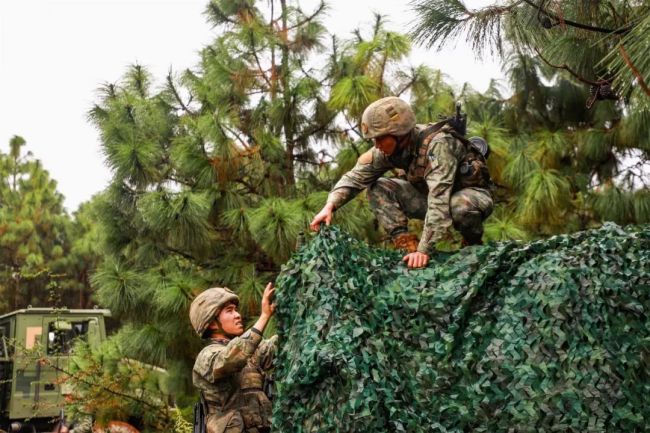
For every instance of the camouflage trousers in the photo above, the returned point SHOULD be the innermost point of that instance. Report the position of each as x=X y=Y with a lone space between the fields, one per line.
x=394 y=201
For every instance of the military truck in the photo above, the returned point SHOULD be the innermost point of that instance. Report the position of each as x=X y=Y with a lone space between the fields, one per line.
x=32 y=392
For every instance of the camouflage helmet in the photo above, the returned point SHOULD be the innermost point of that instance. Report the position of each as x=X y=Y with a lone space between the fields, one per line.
x=387 y=116
x=207 y=305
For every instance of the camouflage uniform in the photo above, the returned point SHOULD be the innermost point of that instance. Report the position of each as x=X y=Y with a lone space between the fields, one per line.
x=446 y=184
x=230 y=375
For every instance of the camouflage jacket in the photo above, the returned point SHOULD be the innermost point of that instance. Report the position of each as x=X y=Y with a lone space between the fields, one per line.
x=432 y=160
x=230 y=374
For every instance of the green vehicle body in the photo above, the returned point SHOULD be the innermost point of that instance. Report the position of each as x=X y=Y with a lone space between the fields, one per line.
x=31 y=392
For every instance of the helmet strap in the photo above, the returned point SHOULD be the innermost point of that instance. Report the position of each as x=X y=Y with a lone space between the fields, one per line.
x=403 y=141
x=220 y=332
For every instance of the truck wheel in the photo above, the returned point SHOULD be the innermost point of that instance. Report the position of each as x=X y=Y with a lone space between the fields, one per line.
x=115 y=427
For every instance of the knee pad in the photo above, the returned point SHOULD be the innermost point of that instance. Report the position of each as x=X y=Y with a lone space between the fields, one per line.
x=469 y=224
x=380 y=188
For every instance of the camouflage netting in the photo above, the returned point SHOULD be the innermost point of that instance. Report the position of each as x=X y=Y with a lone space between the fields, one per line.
x=548 y=336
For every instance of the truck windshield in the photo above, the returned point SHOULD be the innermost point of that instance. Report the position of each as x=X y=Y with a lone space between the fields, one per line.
x=61 y=341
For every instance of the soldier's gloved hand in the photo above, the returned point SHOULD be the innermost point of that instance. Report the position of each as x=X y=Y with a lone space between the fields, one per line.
x=325 y=215
x=416 y=260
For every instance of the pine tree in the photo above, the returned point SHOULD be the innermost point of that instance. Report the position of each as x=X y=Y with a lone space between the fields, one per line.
x=34 y=235
x=84 y=254
x=577 y=71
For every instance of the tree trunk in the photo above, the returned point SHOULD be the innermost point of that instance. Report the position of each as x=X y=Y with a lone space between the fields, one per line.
x=289 y=133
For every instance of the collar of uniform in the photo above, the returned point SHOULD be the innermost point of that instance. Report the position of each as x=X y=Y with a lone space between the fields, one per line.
x=405 y=154
x=222 y=341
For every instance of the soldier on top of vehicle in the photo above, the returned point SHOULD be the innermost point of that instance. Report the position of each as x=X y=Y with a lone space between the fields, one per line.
x=447 y=180
x=230 y=371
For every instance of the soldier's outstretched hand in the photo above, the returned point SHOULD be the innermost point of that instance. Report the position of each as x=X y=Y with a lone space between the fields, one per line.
x=416 y=260
x=268 y=304
x=325 y=215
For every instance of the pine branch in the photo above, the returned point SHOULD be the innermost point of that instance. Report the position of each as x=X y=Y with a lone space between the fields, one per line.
x=235 y=133
x=257 y=60
x=179 y=180
x=315 y=129
x=306 y=73
x=578 y=25
x=566 y=68
x=249 y=186
x=634 y=70
x=216 y=15
x=615 y=14
x=172 y=88
x=309 y=161
x=412 y=81
x=376 y=28
x=185 y=255
x=321 y=7
x=445 y=19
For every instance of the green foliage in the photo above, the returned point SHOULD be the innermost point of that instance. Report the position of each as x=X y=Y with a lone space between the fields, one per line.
x=40 y=261
x=615 y=204
x=550 y=335
x=502 y=226
x=519 y=168
x=112 y=387
x=274 y=226
x=555 y=147
x=545 y=198
x=181 y=219
x=441 y=20
x=592 y=41
x=354 y=93
x=641 y=203
x=637 y=51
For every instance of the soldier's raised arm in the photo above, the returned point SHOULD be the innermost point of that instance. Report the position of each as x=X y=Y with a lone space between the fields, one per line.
x=369 y=167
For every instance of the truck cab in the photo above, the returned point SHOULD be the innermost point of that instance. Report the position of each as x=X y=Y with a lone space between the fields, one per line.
x=35 y=346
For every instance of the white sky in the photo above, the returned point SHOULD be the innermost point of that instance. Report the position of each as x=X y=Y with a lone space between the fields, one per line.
x=55 y=53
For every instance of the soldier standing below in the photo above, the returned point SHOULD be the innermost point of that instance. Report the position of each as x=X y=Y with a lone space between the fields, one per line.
x=446 y=184
x=230 y=370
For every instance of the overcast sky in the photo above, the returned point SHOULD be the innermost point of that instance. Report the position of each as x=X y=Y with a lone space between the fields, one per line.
x=55 y=53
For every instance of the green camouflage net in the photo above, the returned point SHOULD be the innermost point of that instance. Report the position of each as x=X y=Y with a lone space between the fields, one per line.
x=551 y=336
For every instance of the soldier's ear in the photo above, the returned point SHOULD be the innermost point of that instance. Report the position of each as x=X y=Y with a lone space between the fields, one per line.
x=215 y=324
x=366 y=158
